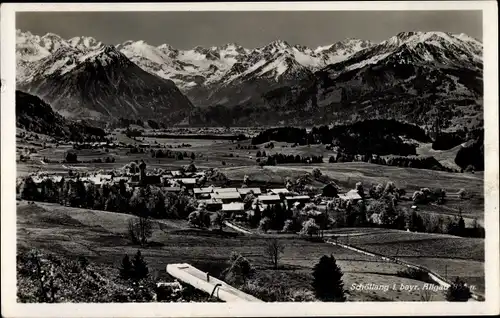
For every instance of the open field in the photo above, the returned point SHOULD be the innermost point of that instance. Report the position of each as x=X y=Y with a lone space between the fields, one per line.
x=449 y=256
x=471 y=209
x=348 y=173
x=445 y=157
x=211 y=153
x=101 y=236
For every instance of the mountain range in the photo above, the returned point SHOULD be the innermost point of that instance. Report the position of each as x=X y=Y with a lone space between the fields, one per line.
x=412 y=76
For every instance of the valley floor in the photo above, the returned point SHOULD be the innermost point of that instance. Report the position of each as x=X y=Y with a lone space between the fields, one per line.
x=102 y=236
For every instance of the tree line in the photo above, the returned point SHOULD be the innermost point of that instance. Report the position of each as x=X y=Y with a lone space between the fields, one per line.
x=279 y=158
x=471 y=157
x=149 y=200
x=378 y=136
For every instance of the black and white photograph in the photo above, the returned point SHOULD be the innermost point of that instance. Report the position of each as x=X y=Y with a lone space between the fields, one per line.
x=264 y=156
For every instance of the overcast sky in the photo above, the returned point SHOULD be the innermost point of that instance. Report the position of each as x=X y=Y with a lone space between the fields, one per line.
x=184 y=30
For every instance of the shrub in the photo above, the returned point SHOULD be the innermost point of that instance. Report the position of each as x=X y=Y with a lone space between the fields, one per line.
x=462 y=194
x=289 y=226
x=217 y=220
x=126 y=270
x=458 y=291
x=140 y=267
x=190 y=168
x=416 y=274
x=438 y=195
x=419 y=197
x=246 y=179
x=239 y=270
x=265 y=224
x=199 y=219
x=71 y=156
x=390 y=187
x=316 y=173
x=327 y=280
x=310 y=228
x=359 y=189
x=376 y=191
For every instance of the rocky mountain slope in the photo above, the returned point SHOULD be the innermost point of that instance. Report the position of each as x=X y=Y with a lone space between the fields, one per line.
x=420 y=78
x=97 y=82
x=207 y=76
x=34 y=115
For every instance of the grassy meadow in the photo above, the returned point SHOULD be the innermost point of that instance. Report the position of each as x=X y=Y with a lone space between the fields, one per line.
x=101 y=237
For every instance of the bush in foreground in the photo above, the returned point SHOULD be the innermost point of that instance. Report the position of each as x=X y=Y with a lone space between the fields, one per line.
x=45 y=278
x=327 y=280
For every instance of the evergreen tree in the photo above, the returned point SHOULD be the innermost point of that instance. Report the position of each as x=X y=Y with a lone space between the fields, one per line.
x=458 y=291
x=140 y=266
x=29 y=190
x=461 y=226
x=127 y=270
x=327 y=280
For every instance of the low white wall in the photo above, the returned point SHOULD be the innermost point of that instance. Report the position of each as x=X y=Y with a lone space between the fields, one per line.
x=208 y=287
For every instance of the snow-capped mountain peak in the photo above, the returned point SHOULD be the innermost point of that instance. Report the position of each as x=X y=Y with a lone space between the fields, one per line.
x=140 y=49
x=85 y=42
x=279 y=44
x=166 y=47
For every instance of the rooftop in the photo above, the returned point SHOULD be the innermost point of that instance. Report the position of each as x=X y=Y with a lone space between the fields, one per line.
x=279 y=190
x=269 y=197
x=203 y=190
x=226 y=195
x=248 y=190
x=186 y=180
x=351 y=195
x=298 y=197
x=210 y=201
x=224 y=190
x=235 y=206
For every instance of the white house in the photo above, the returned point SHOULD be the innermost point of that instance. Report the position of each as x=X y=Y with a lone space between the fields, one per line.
x=203 y=193
x=227 y=197
x=224 y=190
x=233 y=207
x=269 y=199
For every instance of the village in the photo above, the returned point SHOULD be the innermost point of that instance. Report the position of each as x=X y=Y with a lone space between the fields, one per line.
x=236 y=203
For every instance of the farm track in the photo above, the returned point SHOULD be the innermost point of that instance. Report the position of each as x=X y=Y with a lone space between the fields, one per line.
x=238 y=228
